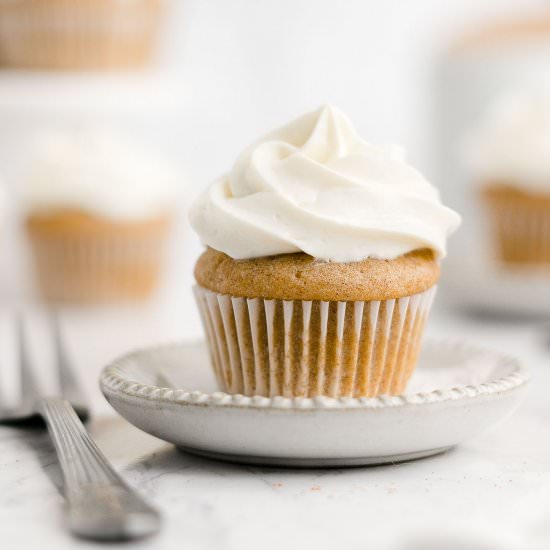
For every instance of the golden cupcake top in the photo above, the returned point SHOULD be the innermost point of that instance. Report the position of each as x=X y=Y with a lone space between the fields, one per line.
x=301 y=277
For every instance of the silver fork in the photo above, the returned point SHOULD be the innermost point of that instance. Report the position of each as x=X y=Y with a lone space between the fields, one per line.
x=100 y=505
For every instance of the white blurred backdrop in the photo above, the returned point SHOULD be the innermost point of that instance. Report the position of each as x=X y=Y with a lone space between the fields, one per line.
x=228 y=71
x=251 y=65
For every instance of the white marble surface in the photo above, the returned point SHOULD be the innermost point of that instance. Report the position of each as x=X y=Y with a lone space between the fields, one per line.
x=491 y=492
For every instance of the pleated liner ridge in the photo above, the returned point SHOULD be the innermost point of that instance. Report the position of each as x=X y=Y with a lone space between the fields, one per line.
x=301 y=348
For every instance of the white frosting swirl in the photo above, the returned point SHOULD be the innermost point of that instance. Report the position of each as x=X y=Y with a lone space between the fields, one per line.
x=315 y=186
x=97 y=171
x=512 y=144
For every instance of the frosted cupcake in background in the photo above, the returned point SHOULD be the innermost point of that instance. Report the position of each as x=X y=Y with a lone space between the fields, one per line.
x=510 y=157
x=78 y=34
x=322 y=260
x=98 y=212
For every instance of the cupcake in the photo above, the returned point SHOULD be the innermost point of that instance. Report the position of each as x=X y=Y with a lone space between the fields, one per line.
x=78 y=34
x=321 y=263
x=510 y=156
x=98 y=210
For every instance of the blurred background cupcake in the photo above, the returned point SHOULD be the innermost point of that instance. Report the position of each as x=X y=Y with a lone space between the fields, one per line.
x=510 y=154
x=78 y=34
x=98 y=209
x=488 y=150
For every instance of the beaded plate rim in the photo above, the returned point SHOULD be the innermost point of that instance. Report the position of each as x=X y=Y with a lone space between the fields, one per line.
x=115 y=379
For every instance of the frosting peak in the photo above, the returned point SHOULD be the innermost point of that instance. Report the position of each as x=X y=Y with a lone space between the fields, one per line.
x=314 y=186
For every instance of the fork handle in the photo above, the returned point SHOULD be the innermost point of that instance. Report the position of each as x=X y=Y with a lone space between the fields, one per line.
x=100 y=504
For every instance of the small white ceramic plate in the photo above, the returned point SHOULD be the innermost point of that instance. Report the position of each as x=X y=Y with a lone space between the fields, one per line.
x=456 y=392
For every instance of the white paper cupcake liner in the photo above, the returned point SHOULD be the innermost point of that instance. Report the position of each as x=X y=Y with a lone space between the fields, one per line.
x=296 y=348
x=99 y=269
